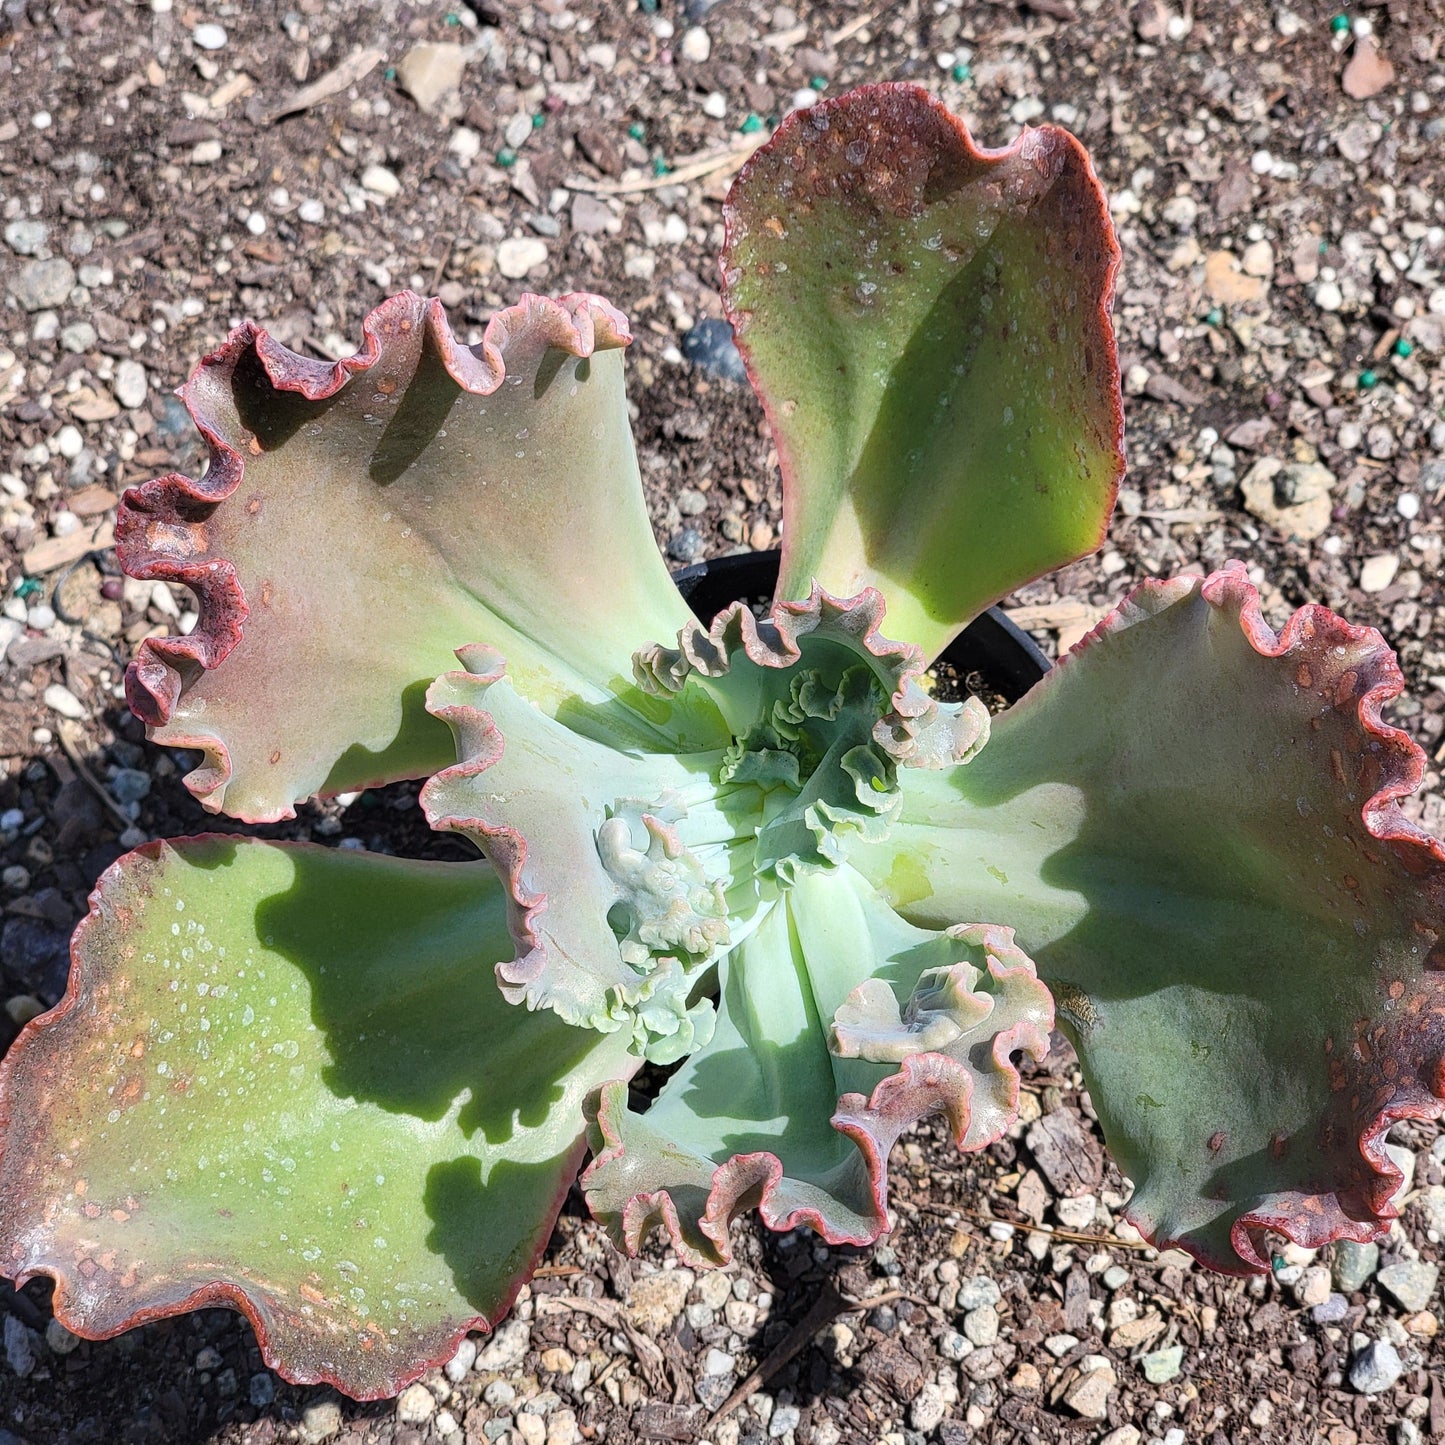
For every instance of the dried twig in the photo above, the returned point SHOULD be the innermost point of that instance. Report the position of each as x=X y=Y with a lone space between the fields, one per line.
x=691 y=169
x=66 y=732
x=359 y=64
x=1054 y=1231
x=825 y=1309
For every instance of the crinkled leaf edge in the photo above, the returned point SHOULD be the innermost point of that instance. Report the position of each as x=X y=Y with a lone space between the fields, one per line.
x=176 y=506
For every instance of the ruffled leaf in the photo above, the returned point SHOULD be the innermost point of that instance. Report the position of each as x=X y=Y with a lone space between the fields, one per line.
x=613 y=914
x=359 y=521
x=1193 y=825
x=283 y=1079
x=927 y=325
x=792 y=1108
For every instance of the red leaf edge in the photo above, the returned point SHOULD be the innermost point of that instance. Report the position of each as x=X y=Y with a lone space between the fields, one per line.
x=1036 y=144
x=160 y=527
x=222 y=1293
x=1363 y=1212
x=924 y=1084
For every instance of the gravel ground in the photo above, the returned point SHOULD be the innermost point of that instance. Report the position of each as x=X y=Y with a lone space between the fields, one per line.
x=1277 y=185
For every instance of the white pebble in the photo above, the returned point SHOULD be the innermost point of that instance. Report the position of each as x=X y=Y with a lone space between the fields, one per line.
x=802 y=99
x=209 y=37
x=1407 y=504
x=312 y=212
x=59 y=698
x=1362 y=27
x=1328 y=296
x=696 y=45
x=68 y=442
x=256 y=223
x=41 y=120
x=40 y=618
x=380 y=181
x=1261 y=163
x=715 y=105
x=130 y=384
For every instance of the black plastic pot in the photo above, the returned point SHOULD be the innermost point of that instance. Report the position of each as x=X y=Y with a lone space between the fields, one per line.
x=1006 y=656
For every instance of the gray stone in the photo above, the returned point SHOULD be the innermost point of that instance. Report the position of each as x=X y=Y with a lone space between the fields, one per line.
x=1332 y=1311
x=320 y=1421
x=593 y=216
x=687 y=547
x=785 y=1418
x=981 y=1325
x=1354 y=1265
x=711 y=348
x=129 y=383
x=79 y=336
x=462 y=1361
x=25 y=236
x=130 y=785
x=1432 y=1199
x=1375 y=1368
x=978 y=1291
x=20 y=1343
x=261 y=1389
x=928 y=1408
x=1410 y=1283
x=39 y=285
x=506 y=1348
x=415 y=1405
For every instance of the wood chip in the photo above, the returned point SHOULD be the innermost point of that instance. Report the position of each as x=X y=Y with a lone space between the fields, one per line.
x=1050 y=616
x=359 y=64
x=56 y=552
x=1068 y=1155
x=92 y=501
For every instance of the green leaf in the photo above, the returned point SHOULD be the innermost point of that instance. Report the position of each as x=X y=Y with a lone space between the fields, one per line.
x=360 y=521
x=283 y=1079
x=1193 y=825
x=793 y=1106
x=927 y=325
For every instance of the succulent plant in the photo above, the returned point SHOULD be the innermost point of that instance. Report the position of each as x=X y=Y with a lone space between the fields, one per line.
x=347 y=1093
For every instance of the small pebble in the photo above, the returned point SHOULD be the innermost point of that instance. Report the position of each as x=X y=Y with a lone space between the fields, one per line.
x=415 y=1405
x=1375 y=1368
x=1407 y=504
x=1161 y=1366
x=209 y=37
x=710 y=347
x=41 y=617
x=696 y=45
x=25 y=237
x=381 y=182
x=461 y=1361
x=130 y=384
x=1410 y=1283
x=1354 y=1264
x=519 y=255
x=312 y=212
x=1328 y=296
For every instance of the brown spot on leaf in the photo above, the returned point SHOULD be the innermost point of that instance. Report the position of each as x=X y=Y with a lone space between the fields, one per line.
x=1217 y=1140
x=276 y=756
